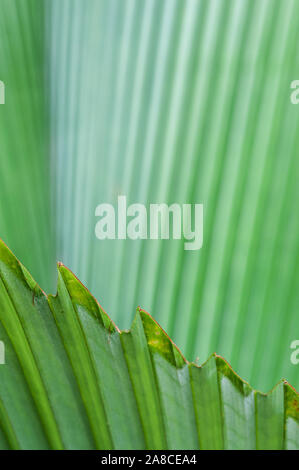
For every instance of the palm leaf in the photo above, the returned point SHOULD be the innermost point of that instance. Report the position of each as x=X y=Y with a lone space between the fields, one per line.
x=25 y=214
x=73 y=380
x=188 y=102
x=163 y=101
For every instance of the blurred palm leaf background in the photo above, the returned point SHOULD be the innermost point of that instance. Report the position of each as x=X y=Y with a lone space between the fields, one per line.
x=161 y=101
x=25 y=215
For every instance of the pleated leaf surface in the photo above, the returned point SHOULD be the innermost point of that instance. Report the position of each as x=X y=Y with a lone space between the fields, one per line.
x=73 y=380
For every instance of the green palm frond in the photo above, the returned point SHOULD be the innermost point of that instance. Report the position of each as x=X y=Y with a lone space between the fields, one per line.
x=161 y=101
x=188 y=102
x=73 y=380
x=25 y=215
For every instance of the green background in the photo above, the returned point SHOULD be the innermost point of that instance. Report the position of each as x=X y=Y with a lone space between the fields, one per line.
x=161 y=101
